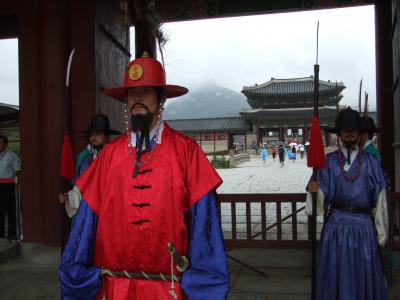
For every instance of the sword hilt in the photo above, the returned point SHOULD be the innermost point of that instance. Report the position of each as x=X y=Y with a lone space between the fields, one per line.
x=182 y=262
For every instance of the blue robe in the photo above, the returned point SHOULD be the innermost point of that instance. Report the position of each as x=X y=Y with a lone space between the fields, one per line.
x=82 y=164
x=349 y=266
x=208 y=274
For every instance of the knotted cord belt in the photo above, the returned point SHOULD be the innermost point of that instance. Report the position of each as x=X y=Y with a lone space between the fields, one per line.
x=139 y=275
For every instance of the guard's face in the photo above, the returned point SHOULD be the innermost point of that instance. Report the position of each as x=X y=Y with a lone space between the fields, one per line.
x=142 y=100
x=97 y=139
x=349 y=136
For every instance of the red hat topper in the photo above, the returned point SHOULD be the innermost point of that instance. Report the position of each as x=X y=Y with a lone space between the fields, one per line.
x=145 y=71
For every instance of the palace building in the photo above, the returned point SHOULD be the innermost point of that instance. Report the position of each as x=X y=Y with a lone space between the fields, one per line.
x=282 y=109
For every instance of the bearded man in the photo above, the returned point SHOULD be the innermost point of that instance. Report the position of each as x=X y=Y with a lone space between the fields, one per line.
x=148 y=203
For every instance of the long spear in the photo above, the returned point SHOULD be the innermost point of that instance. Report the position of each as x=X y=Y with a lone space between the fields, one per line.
x=359 y=97
x=337 y=98
x=366 y=105
x=67 y=160
x=315 y=159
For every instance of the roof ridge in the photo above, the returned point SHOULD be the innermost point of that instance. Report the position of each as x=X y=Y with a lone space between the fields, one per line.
x=290 y=80
x=210 y=118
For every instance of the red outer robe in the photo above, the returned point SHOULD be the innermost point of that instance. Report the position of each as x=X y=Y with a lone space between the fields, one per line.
x=137 y=217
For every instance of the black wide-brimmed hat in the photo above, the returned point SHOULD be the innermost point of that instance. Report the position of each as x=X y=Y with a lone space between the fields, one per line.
x=368 y=125
x=346 y=119
x=100 y=122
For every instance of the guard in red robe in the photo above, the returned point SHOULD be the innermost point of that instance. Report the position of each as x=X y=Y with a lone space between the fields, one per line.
x=151 y=187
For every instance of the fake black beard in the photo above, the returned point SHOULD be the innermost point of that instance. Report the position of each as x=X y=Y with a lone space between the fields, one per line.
x=350 y=144
x=141 y=122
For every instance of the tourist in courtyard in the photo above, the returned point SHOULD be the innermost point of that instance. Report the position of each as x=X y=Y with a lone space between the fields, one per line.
x=281 y=154
x=292 y=155
x=148 y=205
x=351 y=189
x=302 y=151
x=274 y=150
x=10 y=168
x=264 y=153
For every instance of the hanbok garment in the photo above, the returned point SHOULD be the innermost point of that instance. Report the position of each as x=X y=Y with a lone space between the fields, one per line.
x=263 y=154
x=349 y=264
x=84 y=160
x=369 y=147
x=124 y=224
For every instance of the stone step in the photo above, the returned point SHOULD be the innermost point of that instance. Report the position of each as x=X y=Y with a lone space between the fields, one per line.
x=8 y=250
x=281 y=284
x=275 y=258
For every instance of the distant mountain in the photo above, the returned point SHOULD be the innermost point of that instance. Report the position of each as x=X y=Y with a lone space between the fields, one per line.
x=208 y=101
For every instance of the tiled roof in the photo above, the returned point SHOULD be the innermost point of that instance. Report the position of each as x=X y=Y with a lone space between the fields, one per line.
x=9 y=115
x=285 y=112
x=304 y=85
x=8 y=108
x=209 y=124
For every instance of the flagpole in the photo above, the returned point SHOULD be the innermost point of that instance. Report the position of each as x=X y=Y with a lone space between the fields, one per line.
x=66 y=161
x=314 y=195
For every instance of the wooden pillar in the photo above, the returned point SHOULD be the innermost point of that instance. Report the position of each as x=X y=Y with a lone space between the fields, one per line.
x=43 y=53
x=281 y=133
x=305 y=134
x=258 y=135
x=396 y=90
x=384 y=84
x=28 y=48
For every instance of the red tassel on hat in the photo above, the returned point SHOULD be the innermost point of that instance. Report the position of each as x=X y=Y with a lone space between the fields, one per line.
x=67 y=160
x=316 y=155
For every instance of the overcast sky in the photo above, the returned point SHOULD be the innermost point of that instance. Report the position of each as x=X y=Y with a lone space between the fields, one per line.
x=240 y=51
x=235 y=52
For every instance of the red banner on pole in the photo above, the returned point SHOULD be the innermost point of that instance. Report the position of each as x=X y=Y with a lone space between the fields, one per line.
x=316 y=154
x=67 y=159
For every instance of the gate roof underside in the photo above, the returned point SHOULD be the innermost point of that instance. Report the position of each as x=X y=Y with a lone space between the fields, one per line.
x=186 y=10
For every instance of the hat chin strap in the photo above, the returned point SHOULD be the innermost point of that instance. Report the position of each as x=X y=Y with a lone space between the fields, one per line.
x=348 y=146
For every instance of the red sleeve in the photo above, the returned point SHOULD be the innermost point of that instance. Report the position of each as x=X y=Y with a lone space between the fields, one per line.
x=92 y=182
x=201 y=177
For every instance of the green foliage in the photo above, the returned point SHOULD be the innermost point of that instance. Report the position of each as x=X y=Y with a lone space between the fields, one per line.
x=219 y=162
x=14 y=147
x=14 y=143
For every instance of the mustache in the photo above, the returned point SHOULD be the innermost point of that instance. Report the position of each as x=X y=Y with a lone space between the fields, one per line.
x=141 y=104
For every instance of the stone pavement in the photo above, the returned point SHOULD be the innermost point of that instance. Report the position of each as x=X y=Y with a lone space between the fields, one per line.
x=256 y=177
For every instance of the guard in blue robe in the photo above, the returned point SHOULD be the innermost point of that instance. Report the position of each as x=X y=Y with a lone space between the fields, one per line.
x=352 y=192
